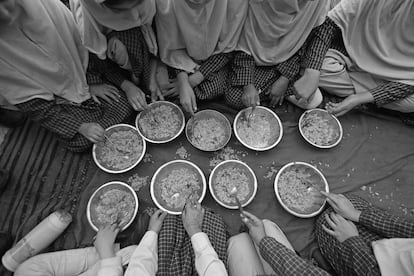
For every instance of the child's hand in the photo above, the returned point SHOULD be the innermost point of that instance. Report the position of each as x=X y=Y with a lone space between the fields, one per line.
x=306 y=86
x=340 y=228
x=105 y=91
x=250 y=96
x=135 y=95
x=277 y=92
x=105 y=239
x=187 y=96
x=342 y=206
x=255 y=225
x=92 y=131
x=156 y=221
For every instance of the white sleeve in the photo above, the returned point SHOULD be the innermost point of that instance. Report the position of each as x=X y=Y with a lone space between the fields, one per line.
x=206 y=260
x=144 y=261
x=110 y=267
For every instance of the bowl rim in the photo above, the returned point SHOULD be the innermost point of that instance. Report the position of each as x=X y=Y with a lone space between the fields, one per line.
x=256 y=148
x=144 y=149
x=314 y=144
x=166 y=140
x=275 y=187
x=210 y=184
x=153 y=197
x=88 y=207
x=227 y=123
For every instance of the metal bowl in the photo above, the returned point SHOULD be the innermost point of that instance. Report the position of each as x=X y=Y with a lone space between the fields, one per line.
x=331 y=124
x=315 y=178
x=163 y=172
x=157 y=125
x=261 y=117
x=251 y=180
x=97 y=149
x=94 y=199
x=201 y=117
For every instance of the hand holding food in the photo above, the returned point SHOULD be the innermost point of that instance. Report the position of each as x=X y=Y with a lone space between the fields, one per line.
x=250 y=96
x=156 y=221
x=255 y=225
x=193 y=215
x=105 y=239
x=92 y=131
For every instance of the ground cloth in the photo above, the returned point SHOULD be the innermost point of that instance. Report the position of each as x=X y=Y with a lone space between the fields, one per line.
x=375 y=160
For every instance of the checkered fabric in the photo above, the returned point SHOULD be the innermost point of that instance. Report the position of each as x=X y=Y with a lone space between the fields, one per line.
x=100 y=71
x=175 y=252
x=355 y=256
x=65 y=119
x=387 y=91
x=286 y=262
x=216 y=73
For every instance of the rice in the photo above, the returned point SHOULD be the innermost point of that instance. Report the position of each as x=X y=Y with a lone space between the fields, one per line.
x=208 y=134
x=257 y=133
x=226 y=179
x=295 y=190
x=114 y=205
x=160 y=122
x=122 y=151
x=319 y=130
x=183 y=182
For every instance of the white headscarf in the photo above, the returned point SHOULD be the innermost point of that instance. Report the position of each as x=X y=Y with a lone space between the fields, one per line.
x=276 y=29
x=95 y=20
x=379 y=36
x=189 y=33
x=42 y=56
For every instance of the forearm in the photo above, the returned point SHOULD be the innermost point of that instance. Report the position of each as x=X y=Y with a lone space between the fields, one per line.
x=207 y=261
x=389 y=92
x=290 y=68
x=244 y=68
x=386 y=225
x=110 y=267
x=144 y=260
x=52 y=116
x=284 y=261
x=318 y=43
x=359 y=257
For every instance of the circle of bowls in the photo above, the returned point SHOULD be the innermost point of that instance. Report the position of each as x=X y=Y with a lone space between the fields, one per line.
x=334 y=119
x=243 y=114
x=169 y=166
x=206 y=114
x=228 y=163
x=301 y=215
x=102 y=167
x=156 y=104
x=117 y=184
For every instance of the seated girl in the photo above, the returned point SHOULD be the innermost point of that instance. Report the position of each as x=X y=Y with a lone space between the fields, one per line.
x=42 y=72
x=121 y=41
x=196 y=39
x=359 y=239
x=371 y=55
x=276 y=53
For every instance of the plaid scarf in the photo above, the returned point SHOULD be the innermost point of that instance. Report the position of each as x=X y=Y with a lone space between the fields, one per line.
x=175 y=251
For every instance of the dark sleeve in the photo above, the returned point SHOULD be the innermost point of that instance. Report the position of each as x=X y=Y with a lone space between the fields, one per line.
x=52 y=116
x=104 y=70
x=320 y=40
x=389 y=92
x=244 y=67
x=284 y=261
x=291 y=67
x=386 y=225
x=359 y=256
x=214 y=63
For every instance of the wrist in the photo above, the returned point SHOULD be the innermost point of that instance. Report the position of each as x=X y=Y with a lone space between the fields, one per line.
x=192 y=230
x=106 y=252
x=126 y=85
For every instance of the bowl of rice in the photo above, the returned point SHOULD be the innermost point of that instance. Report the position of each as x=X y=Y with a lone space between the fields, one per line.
x=260 y=131
x=113 y=202
x=232 y=174
x=208 y=130
x=161 y=122
x=175 y=182
x=297 y=187
x=320 y=128
x=121 y=151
